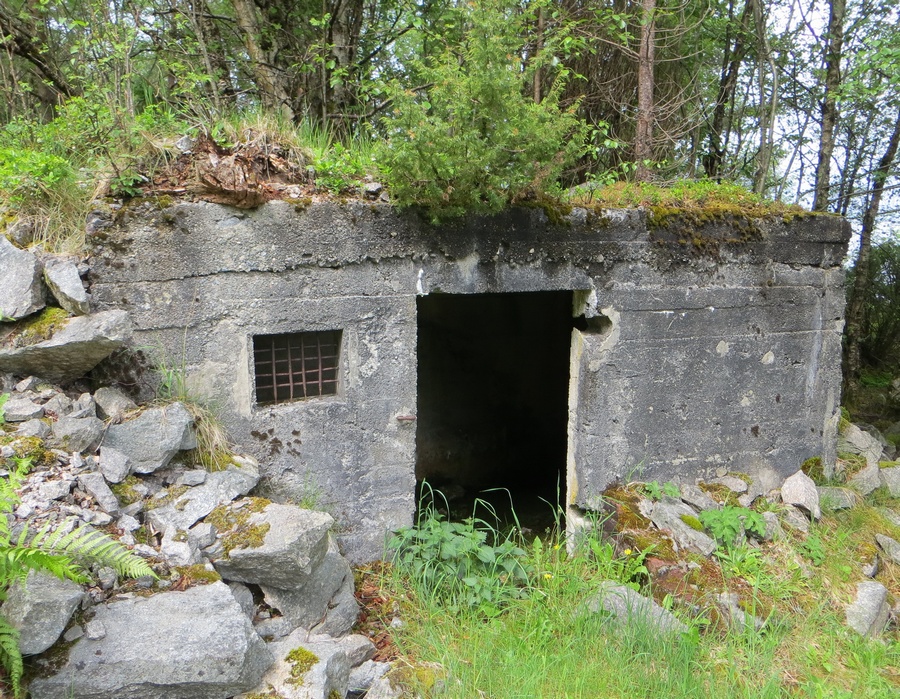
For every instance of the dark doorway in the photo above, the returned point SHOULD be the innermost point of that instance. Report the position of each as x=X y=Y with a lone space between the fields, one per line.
x=493 y=379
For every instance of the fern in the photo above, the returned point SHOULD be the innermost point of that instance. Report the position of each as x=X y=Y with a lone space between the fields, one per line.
x=84 y=546
x=10 y=656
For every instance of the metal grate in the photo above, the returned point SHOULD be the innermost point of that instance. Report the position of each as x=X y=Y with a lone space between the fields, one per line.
x=296 y=365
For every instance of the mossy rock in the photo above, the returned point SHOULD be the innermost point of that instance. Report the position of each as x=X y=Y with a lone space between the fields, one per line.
x=38 y=327
x=233 y=525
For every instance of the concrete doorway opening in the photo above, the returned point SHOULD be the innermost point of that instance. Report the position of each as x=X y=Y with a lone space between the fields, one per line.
x=493 y=382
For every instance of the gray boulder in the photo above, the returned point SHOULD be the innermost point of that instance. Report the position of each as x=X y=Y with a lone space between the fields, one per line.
x=21 y=292
x=77 y=434
x=890 y=478
x=294 y=542
x=800 y=490
x=670 y=514
x=73 y=350
x=628 y=607
x=151 y=439
x=317 y=603
x=196 y=644
x=306 y=667
x=62 y=278
x=40 y=607
x=219 y=488
x=869 y=612
x=890 y=546
x=866 y=480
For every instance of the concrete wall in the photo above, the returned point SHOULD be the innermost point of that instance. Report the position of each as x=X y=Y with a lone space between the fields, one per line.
x=691 y=361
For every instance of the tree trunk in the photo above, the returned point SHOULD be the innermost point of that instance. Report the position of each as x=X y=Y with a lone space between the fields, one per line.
x=856 y=311
x=829 y=105
x=643 y=139
x=732 y=58
x=272 y=89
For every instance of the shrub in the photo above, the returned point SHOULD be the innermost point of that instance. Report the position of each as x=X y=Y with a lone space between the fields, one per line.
x=471 y=140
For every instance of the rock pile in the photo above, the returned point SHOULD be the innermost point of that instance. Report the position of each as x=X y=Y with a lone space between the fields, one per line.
x=243 y=582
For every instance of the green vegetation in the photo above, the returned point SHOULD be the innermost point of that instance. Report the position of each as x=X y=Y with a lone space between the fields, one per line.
x=65 y=555
x=233 y=524
x=542 y=643
x=728 y=524
x=301 y=661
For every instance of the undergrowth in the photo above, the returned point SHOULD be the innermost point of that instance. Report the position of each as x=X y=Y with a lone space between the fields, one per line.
x=540 y=643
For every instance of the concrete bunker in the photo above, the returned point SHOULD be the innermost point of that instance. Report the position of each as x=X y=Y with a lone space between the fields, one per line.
x=669 y=360
x=492 y=385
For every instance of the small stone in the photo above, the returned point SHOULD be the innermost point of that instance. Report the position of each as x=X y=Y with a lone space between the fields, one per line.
x=192 y=478
x=837 y=498
x=795 y=519
x=372 y=189
x=27 y=384
x=626 y=606
x=55 y=490
x=868 y=614
x=21 y=409
x=363 y=677
x=202 y=535
x=22 y=291
x=112 y=403
x=114 y=465
x=800 y=490
x=95 y=485
x=73 y=634
x=107 y=577
x=62 y=278
x=84 y=406
x=358 y=648
x=773 y=527
x=100 y=519
x=95 y=630
x=870 y=570
x=397 y=623
x=34 y=428
x=866 y=480
x=127 y=523
x=244 y=598
x=696 y=498
x=273 y=628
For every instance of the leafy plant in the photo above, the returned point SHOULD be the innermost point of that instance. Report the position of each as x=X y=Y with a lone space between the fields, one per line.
x=3 y=398
x=465 y=563
x=813 y=548
x=655 y=491
x=63 y=552
x=728 y=523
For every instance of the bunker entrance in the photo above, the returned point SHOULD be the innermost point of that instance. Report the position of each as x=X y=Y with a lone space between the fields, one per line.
x=493 y=380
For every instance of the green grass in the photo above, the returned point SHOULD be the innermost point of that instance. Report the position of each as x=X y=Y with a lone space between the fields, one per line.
x=541 y=644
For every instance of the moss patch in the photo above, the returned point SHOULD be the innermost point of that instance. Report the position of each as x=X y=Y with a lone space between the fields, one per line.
x=692 y=522
x=852 y=463
x=125 y=492
x=31 y=448
x=233 y=524
x=196 y=575
x=812 y=467
x=38 y=328
x=301 y=661
x=722 y=494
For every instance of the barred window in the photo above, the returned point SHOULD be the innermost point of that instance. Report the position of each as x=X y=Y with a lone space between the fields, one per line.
x=296 y=365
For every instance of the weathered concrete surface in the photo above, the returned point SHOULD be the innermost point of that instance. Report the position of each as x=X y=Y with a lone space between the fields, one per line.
x=694 y=362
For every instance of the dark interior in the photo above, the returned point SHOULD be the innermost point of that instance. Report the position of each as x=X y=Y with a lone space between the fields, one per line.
x=493 y=378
